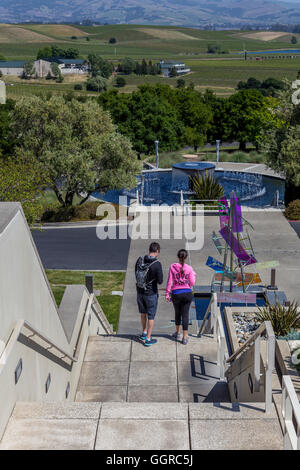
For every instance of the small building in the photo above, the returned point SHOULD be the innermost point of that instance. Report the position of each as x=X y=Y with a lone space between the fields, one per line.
x=16 y=67
x=166 y=67
x=43 y=66
x=12 y=67
x=71 y=66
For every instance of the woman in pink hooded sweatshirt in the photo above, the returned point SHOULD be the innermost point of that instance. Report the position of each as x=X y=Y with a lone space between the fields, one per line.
x=179 y=290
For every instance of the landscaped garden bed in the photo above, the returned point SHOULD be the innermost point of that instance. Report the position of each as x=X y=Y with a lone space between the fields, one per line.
x=245 y=325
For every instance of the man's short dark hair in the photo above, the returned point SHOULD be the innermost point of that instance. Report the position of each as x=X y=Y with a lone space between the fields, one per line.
x=154 y=247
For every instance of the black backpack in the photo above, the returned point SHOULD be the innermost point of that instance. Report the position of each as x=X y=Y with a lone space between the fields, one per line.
x=141 y=273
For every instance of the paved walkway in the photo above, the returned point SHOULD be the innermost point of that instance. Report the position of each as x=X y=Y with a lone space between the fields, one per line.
x=273 y=239
x=259 y=168
x=122 y=369
x=142 y=426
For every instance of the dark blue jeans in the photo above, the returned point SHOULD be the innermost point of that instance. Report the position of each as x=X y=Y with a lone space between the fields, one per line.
x=147 y=304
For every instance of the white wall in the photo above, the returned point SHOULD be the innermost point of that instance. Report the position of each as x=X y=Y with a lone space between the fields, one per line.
x=26 y=294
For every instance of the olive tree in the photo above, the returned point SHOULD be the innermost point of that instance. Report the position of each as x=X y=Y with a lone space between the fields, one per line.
x=76 y=143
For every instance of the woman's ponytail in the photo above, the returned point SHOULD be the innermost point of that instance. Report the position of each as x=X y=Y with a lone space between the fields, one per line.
x=182 y=256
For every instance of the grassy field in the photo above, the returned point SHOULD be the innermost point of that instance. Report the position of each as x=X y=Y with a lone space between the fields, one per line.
x=18 y=41
x=219 y=72
x=104 y=281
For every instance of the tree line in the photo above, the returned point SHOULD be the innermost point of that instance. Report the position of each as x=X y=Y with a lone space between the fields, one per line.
x=184 y=116
x=75 y=145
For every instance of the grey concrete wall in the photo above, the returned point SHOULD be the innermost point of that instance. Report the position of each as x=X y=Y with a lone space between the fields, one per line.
x=2 y=93
x=12 y=71
x=25 y=294
x=42 y=67
x=239 y=374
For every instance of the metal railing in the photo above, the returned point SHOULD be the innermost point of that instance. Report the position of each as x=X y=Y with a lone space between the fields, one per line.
x=265 y=329
x=218 y=331
x=189 y=202
x=291 y=415
x=51 y=345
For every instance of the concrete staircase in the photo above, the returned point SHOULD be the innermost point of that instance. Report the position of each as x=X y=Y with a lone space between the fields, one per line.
x=166 y=397
x=121 y=368
x=138 y=426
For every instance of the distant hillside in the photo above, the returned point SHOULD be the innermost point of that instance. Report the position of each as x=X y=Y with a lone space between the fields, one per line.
x=163 y=12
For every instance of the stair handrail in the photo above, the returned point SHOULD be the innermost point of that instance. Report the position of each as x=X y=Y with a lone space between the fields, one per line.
x=98 y=312
x=24 y=324
x=17 y=330
x=267 y=329
x=219 y=334
x=264 y=327
x=291 y=415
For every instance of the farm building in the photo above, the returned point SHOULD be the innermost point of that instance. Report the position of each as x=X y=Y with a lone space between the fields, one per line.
x=16 y=67
x=43 y=67
x=71 y=65
x=166 y=68
x=13 y=67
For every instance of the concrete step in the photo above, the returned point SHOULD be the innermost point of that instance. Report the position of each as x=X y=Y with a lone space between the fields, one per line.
x=138 y=426
x=119 y=369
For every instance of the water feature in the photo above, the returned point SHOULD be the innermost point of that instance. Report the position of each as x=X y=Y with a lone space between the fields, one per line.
x=181 y=173
x=157 y=187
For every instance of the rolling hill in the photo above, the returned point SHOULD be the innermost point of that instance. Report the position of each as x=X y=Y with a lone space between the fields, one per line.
x=164 y=12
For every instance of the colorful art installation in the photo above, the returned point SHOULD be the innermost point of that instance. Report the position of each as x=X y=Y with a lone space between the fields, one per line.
x=236 y=247
x=223 y=212
x=216 y=265
x=267 y=265
x=249 y=278
x=234 y=244
x=237 y=222
x=217 y=242
x=236 y=298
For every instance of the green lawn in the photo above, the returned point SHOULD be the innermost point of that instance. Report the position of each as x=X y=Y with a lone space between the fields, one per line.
x=104 y=281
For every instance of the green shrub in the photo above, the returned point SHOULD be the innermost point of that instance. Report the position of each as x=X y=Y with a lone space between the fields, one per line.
x=205 y=187
x=292 y=211
x=97 y=83
x=293 y=335
x=224 y=157
x=78 y=86
x=120 y=81
x=239 y=157
x=86 y=211
x=256 y=157
x=283 y=318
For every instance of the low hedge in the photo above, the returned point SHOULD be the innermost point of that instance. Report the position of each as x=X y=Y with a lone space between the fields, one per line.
x=86 y=211
x=292 y=212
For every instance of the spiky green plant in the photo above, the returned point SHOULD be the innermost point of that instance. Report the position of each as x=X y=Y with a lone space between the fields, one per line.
x=205 y=187
x=283 y=318
x=293 y=335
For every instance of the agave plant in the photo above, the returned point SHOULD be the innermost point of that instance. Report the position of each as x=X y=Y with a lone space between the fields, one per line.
x=205 y=187
x=283 y=318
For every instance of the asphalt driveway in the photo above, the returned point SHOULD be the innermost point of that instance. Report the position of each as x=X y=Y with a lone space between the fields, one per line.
x=79 y=248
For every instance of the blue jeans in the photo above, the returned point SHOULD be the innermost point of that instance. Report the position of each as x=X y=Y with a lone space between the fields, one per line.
x=147 y=304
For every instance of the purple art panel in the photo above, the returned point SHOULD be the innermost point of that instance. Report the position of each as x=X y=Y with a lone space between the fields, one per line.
x=237 y=223
x=223 y=212
x=238 y=250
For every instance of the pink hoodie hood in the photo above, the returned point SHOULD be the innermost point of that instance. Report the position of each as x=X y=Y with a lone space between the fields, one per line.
x=178 y=281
